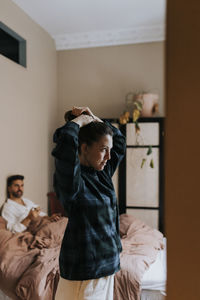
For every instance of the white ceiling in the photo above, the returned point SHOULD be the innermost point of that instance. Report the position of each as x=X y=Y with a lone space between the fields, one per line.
x=91 y=23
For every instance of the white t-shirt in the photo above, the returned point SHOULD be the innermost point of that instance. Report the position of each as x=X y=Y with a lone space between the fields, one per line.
x=14 y=213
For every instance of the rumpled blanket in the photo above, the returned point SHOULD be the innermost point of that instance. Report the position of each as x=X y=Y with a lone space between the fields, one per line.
x=140 y=244
x=29 y=267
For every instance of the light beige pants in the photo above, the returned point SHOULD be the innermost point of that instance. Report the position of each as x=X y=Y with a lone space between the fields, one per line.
x=95 y=289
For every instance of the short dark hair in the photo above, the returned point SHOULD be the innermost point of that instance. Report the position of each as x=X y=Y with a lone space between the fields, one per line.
x=10 y=180
x=92 y=132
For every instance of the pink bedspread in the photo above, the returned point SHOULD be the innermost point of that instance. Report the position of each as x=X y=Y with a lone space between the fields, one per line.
x=140 y=247
x=29 y=268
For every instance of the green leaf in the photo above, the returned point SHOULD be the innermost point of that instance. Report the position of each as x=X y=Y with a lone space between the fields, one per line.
x=152 y=163
x=137 y=127
x=143 y=161
x=138 y=105
x=149 y=151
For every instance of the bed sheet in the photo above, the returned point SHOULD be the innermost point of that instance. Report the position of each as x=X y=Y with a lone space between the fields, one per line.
x=156 y=276
x=152 y=295
x=141 y=245
x=3 y=296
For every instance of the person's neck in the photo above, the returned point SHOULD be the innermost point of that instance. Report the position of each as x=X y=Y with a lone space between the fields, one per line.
x=83 y=161
x=18 y=200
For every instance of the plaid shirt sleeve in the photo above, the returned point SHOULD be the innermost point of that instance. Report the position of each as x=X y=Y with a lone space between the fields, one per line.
x=117 y=151
x=67 y=176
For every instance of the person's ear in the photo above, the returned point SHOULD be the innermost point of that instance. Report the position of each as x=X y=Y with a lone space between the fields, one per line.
x=84 y=148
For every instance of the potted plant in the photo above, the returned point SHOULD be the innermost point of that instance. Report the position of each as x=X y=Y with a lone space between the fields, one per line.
x=140 y=105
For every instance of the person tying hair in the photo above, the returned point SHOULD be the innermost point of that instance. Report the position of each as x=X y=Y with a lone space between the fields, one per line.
x=17 y=210
x=87 y=153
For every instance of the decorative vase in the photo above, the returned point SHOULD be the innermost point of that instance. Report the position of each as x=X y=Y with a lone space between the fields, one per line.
x=149 y=104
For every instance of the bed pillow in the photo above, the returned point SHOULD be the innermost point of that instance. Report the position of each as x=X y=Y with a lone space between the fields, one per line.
x=2 y=223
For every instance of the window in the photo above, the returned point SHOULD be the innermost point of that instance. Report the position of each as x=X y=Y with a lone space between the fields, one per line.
x=12 y=45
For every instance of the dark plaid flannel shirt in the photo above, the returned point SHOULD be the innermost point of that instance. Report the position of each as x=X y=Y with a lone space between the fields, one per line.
x=91 y=244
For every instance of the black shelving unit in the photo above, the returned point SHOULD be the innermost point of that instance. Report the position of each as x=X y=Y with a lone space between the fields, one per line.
x=122 y=177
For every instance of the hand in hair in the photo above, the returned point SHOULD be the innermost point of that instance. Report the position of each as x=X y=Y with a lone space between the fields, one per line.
x=77 y=111
x=83 y=120
x=84 y=116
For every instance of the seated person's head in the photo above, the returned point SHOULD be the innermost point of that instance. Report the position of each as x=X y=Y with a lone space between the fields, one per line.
x=15 y=186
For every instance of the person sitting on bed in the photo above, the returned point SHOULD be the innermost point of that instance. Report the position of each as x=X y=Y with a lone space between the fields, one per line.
x=17 y=210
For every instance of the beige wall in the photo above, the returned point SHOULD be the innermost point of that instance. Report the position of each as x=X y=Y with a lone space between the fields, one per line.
x=101 y=77
x=28 y=107
x=182 y=209
x=96 y=77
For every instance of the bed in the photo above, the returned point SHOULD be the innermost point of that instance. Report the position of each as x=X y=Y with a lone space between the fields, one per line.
x=29 y=267
x=153 y=283
x=29 y=261
x=143 y=262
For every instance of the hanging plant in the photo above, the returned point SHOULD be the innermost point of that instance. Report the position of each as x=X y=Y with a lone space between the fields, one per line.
x=134 y=106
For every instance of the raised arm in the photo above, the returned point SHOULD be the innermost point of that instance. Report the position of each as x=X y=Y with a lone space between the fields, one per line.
x=119 y=141
x=117 y=151
x=67 y=177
